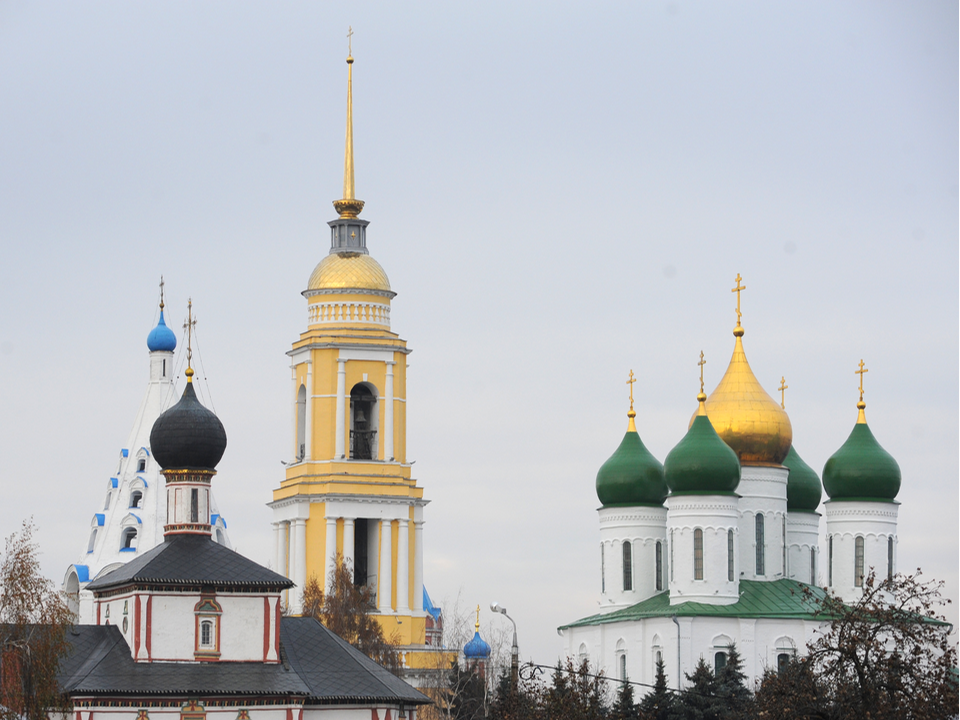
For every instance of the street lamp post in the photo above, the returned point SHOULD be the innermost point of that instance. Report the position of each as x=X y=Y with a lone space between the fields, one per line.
x=515 y=650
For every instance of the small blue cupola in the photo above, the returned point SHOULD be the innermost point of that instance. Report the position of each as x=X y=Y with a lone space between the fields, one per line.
x=477 y=648
x=161 y=337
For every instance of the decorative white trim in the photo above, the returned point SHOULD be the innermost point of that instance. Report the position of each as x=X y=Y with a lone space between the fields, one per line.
x=389 y=294
x=343 y=312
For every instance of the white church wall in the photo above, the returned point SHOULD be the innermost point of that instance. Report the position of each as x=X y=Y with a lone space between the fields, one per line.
x=849 y=520
x=803 y=547
x=762 y=490
x=643 y=528
x=708 y=580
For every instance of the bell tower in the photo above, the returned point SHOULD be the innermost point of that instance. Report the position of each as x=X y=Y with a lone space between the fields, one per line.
x=348 y=491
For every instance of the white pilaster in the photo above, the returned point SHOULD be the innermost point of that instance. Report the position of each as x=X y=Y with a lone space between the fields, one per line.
x=295 y=455
x=349 y=542
x=308 y=437
x=299 y=566
x=418 y=565
x=331 y=553
x=385 y=572
x=403 y=565
x=276 y=548
x=388 y=415
x=341 y=407
x=293 y=594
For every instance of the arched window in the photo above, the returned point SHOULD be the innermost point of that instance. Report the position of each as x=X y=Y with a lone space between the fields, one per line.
x=698 y=554
x=813 y=566
x=890 y=558
x=93 y=540
x=858 y=562
x=206 y=634
x=301 y=423
x=582 y=654
x=627 y=566
x=207 y=643
x=783 y=659
x=719 y=662
x=136 y=499
x=141 y=464
x=363 y=423
x=221 y=540
x=830 y=561
x=623 y=666
x=659 y=562
x=730 y=556
x=128 y=541
x=760 y=547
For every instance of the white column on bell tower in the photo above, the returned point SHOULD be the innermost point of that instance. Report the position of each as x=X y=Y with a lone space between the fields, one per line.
x=403 y=566
x=388 y=414
x=331 y=551
x=308 y=438
x=385 y=575
x=341 y=407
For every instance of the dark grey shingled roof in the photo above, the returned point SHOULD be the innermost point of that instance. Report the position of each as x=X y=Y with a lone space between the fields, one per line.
x=191 y=560
x=317 y=665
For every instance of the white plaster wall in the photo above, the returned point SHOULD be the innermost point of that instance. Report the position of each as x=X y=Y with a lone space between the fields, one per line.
x=715 y=515
x=803 y=534
x=643 y=527
x=172 y=627
x=241 y=627
x=762 y=490
x=849 y=519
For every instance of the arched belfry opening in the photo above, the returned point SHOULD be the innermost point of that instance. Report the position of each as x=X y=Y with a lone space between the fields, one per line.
x=301 y=423
x=363 y=422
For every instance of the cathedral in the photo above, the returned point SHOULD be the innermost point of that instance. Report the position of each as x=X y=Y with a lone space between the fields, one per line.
x=719 y=545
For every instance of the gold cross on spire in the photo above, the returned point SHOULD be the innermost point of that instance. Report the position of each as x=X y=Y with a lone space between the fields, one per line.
x=701 y=364
x=737 y=290
x=478 y=619
x=783 y=386
x=860 y=372
x=630 y=382
x=161 y=293
x=188 y=325
x=349 y=40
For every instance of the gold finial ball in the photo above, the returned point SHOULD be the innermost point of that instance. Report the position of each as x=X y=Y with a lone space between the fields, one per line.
x=349 y=59
x=632 y=414
x=701 y=397
x=738 y=331
x=861 y=405
x=189 y=372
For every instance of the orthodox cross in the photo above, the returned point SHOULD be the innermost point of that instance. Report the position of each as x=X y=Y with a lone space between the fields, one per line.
x=188 y=325
x=478 y=618
x=161 y=292
x=701 y=364
x=783 y=386
x=349 y=40
x=737 y=290
x=860 y=372
x=630 y=382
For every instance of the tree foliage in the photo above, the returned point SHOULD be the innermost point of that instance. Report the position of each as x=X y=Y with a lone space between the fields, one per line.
x=660 y=703
x=33 y=636
x=886 y=656
x=346 y=611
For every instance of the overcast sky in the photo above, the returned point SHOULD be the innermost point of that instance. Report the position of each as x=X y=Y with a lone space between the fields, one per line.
x=559 y=193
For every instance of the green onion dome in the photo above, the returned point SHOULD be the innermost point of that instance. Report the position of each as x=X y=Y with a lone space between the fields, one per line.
x=861 y=469
x=803 y=486
x=702 y=463
x=632 y=475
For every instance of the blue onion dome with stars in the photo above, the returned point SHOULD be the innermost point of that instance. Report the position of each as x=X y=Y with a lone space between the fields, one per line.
x=477 y=648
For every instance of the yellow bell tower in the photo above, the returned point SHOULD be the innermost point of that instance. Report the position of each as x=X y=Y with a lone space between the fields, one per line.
x=348 y=490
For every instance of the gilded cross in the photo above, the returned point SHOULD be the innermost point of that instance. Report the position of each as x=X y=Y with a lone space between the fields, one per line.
x=161 y=292
x=349 y=40
x=783 y=386
x=630 y=382
x=478 y=618
x=737 y=290
x=860 y=372
x=701 y=364
x=188 y=325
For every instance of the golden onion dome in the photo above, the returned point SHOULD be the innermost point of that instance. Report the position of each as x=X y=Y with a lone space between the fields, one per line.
x=745 y=416
x=349 y=270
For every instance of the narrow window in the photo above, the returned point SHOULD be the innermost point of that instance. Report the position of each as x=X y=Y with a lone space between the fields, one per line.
x=760 y=548
x=698 y=554
x=623 y=666
x=106 y=502
x=659 y=569
x=194 y=505
x=783 y=538
x=890 y=558
x=129 y=539
x=141 y=464
x=93 y=540
x=603 y=570
x=363 y=427
x=783 y=659
x=858 y=562
x=659 y=656
x=206 y=633
x=719 y=662
x=301 y=423
x=164 y=371
x=813 y=566
x=136 y=499
x=830 y=561
x=627 y=566
x=729 y=555
x=672 y=563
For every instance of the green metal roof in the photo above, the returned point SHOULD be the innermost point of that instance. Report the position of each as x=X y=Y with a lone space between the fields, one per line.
x=774 y=599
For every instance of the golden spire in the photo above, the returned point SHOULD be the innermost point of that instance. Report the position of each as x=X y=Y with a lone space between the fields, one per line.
x=161 y=293
x=861 y=405
x=783 y=386
x=477 y=626
x=701 y=396
x=738 y=330
x=188 y=326
x=631 y=426
x=349 y=206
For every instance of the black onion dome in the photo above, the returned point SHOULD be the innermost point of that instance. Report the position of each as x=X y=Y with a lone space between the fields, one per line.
x=188 y=436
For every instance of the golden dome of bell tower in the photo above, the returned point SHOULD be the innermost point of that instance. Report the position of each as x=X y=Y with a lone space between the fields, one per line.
x=743 y=413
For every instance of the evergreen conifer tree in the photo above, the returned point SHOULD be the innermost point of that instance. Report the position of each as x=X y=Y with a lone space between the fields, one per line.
x=659 y=704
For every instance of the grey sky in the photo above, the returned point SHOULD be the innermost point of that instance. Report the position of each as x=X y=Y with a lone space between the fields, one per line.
x=558 y=192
